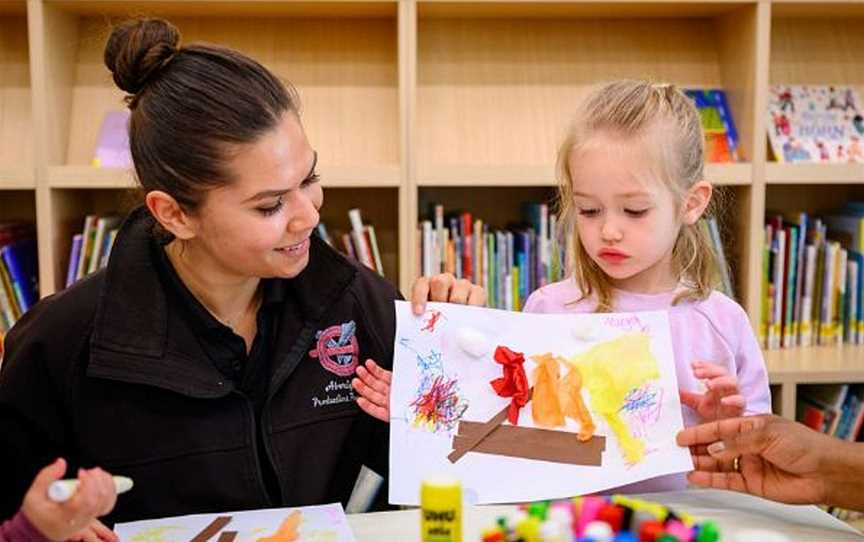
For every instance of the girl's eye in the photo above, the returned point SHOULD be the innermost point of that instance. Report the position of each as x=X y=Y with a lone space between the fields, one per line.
x=636 y=212
x=589 y=212
x=272 y=210
x=311 y=179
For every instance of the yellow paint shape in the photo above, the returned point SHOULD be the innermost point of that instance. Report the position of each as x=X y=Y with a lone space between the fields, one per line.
x=287 y=531
x=156 y=534
x=326 y=535
x=610 y=370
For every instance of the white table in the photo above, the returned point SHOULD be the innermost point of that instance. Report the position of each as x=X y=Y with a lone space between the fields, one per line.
x=733 y=512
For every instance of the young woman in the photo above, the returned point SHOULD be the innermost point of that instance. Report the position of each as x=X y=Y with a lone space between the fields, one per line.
x=212 y=361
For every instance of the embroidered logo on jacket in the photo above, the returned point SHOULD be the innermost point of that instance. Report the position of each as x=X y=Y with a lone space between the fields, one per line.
x=337 y=349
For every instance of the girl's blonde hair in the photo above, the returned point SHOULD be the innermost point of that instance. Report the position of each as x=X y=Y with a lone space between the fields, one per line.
x=665 y=121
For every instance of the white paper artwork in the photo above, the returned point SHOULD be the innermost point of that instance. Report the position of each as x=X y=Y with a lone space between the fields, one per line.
x=302 y=524
x=594 y=398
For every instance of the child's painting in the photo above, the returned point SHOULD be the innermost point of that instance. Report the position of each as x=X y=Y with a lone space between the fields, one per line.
x=306 y=524
x=523 y=406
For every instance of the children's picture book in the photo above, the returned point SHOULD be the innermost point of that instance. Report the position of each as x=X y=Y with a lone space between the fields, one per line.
x=303 y=524
x=813 y=123
x=523 y=406
x=721 y=137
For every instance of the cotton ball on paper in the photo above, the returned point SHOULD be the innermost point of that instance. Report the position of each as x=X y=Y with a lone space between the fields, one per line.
x=472 y=342
x=587 y=332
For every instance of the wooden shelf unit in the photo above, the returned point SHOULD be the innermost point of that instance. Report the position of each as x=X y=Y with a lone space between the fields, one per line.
x=16 y=122
x=463 y=102
x=342 y=57
x=790 y=368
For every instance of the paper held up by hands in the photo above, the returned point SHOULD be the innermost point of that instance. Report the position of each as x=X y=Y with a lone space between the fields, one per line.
x=531 y=406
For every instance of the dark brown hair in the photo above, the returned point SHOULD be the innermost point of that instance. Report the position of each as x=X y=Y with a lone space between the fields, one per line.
x=190 y=105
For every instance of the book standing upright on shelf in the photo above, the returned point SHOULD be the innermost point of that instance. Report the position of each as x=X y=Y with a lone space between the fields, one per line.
x=112 y=148
x=90 y=249
x=721 y=137
x=19 y=287
x=360 y=243
x=813 y=123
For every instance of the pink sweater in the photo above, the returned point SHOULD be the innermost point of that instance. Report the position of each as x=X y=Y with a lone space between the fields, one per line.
x=19 y=529
x=715 y=330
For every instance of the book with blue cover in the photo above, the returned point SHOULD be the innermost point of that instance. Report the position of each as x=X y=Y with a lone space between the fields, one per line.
x=721 y=137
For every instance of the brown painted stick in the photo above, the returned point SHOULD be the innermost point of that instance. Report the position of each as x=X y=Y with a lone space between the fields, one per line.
x=210 y=531
x=484 y=432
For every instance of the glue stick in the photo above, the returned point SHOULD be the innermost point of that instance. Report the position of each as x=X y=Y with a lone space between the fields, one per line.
x=441 y=510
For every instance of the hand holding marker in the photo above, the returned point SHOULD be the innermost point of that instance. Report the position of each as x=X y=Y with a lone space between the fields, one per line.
x=93 y=495
x=63 y=490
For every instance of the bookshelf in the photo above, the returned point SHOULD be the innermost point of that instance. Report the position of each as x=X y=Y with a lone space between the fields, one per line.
x=16 y=124
x=463 y=103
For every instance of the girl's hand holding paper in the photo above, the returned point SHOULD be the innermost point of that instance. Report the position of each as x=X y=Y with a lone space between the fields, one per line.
x=373 y=385
x=373 y=382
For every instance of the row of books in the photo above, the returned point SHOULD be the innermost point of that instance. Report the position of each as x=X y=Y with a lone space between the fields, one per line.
x=813 y=280
x=833 y=409
x=509 y=263
x=19 y=286
x=360 y=243
x=91 y=248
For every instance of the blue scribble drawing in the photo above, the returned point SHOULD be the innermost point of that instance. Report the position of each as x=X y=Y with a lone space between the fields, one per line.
x=642 y=407
x=438 y=405
x=433 y=361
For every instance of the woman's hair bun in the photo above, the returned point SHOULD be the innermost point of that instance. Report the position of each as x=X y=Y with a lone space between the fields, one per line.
x=138 y=49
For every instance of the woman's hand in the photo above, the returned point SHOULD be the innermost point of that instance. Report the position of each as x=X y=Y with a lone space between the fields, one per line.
x=778 y=459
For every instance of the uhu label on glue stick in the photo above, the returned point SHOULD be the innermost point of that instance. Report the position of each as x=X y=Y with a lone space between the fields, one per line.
x=441 y=511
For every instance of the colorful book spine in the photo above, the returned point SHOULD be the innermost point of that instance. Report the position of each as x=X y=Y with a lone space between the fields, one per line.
x=88 y=238
x=839 y=296
x=19 y=259
x=827 y=312
x=850 y=316
x=765 y=319
x=791 y=279
x=74 y=255
x=779 y=251
x=8 y=309
x=364 y=252
x=321 y=230
x=369 y=232
x=806 y=336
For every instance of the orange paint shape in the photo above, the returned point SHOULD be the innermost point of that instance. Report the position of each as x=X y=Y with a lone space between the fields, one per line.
x=546 y=405
x=287 y=531
x=573 y=406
